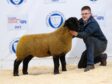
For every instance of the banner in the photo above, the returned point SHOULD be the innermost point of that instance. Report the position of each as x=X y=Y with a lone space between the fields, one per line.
x=20 y=17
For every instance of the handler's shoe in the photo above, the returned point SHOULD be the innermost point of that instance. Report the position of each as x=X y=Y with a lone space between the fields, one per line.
x=103 y=60
x=89 y=67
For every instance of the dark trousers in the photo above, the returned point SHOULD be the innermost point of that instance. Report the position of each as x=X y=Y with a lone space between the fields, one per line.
x=93 y=52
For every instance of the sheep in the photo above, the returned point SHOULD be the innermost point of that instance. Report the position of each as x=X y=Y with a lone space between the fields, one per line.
x=56 y=44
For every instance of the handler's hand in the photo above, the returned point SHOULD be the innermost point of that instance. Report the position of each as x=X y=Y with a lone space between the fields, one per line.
x=74 y=33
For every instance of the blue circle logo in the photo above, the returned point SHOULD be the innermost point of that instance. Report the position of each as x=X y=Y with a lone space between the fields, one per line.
x=16 y=2
x=93 y=0
x=13 y=45
x=55 y=19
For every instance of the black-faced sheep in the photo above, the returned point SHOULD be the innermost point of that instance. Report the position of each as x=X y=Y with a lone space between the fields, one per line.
x=55 y=44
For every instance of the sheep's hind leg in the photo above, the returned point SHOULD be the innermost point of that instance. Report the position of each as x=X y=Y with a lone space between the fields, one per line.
x=25 y=64
x=56 y=64
x=63 y=62
x=16 y=66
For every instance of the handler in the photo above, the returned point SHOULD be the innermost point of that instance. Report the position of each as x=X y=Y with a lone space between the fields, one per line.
x=94 y=40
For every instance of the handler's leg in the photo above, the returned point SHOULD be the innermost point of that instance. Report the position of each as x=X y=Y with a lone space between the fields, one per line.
x=83 y=61
x=25 y=64
x=90 y=45
x=56 y=64
x=63 y=62
x=16 y=66
x=101 y=57
x=95 y=48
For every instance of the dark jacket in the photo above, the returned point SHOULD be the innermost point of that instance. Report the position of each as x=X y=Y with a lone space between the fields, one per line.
x=91 y=28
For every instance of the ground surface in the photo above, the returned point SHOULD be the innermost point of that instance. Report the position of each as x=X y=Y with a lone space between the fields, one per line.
x=44 y=75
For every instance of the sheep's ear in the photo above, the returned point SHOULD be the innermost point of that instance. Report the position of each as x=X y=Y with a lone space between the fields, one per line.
x=72 y=23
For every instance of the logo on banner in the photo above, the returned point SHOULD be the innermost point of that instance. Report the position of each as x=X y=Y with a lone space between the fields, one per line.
x=16 y=2
x=93 y=0
x=55 y=19
x=100 y=18
x=17 y=23
x=13 y=45
x=55 y=1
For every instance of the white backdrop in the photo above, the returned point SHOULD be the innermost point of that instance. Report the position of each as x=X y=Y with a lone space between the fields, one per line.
x=19 y=17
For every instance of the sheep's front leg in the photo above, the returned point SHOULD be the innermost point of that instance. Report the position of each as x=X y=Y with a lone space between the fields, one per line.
x=63 y=62
x=56 y=64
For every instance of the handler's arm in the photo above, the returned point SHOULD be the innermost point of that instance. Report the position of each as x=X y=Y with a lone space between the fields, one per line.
x=88 y=31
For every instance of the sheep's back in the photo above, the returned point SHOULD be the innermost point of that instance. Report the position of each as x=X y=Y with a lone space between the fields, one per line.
x=35 y=45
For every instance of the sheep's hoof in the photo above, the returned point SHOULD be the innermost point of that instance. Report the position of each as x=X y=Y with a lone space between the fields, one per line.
x=64 y=69
x=15 y=74
x=25 y=73
x=56 y=72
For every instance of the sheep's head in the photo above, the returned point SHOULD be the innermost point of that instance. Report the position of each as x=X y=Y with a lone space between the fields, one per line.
x=72 y=23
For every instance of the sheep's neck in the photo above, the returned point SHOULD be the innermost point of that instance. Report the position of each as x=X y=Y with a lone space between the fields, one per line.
x=64 y=33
